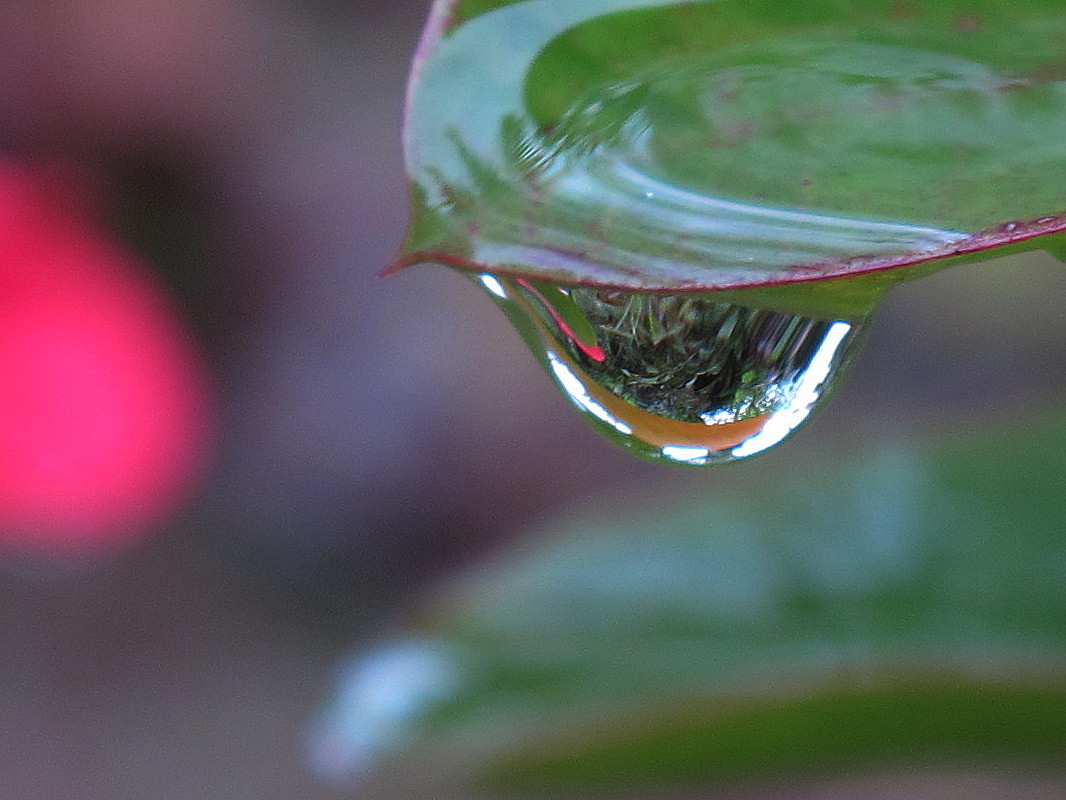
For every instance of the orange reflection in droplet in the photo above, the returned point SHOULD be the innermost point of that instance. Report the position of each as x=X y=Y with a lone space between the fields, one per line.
x=652 y=428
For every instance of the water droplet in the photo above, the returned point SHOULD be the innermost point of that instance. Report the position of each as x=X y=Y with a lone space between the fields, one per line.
x=681 y=378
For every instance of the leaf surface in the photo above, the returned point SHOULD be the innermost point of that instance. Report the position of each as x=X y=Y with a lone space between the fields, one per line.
x=681 y=146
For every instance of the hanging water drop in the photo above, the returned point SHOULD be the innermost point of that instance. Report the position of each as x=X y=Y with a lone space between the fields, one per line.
x=681 y=378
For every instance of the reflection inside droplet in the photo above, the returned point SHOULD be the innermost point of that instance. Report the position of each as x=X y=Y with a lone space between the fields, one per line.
x=682 y=378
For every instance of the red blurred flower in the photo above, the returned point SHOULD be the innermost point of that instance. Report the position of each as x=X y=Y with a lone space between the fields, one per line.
x=103 y=399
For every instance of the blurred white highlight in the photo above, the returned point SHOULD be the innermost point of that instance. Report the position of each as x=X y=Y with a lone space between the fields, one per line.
x=377 y=706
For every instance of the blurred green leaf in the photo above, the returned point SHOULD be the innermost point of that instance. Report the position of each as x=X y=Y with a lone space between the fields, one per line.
x=907 y=608
x=656 y=145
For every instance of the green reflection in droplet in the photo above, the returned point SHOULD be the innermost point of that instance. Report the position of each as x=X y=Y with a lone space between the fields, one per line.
x=691 y=378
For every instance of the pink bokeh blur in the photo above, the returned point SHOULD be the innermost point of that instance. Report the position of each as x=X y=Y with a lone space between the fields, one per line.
x=104 y=401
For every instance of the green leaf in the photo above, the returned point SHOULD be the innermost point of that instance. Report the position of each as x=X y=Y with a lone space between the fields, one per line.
x=903 y=609
x=684 y=146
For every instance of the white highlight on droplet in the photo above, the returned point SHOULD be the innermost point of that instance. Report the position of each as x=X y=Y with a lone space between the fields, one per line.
x=689 y=455
x=577 y=392
x=491 y=283
x=804 y=398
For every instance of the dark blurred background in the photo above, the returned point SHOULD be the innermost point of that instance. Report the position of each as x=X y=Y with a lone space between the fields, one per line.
x=369 y=436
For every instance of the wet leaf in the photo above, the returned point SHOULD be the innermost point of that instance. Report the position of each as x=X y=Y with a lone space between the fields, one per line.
x=682 y=146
